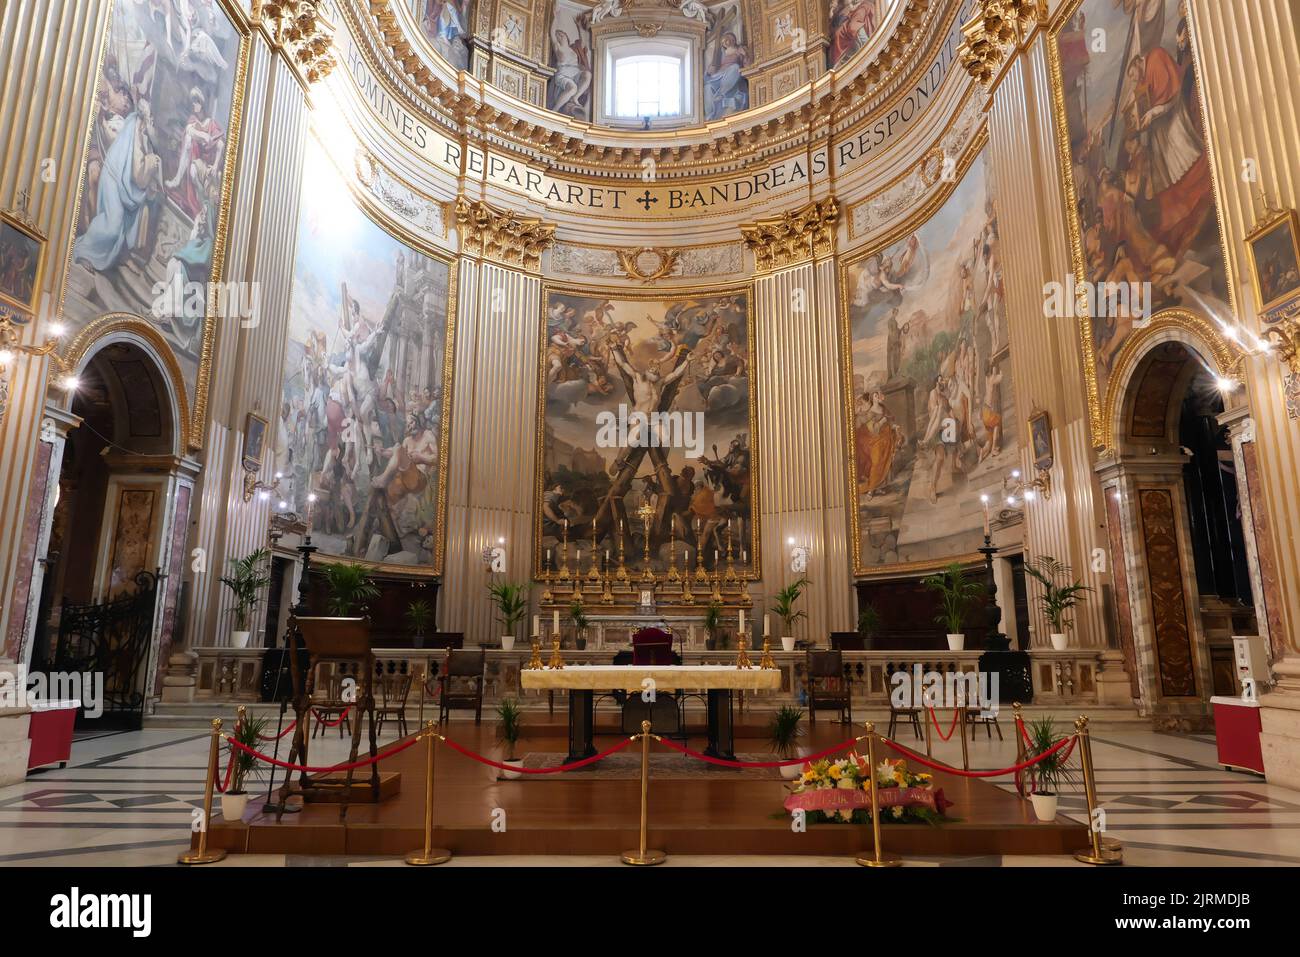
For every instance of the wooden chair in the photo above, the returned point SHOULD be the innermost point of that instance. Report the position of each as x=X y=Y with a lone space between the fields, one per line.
x=331 y=706
x=464 y=667
x=974 y=719
x=394 y=689
x=911 y=715
x=828 y=686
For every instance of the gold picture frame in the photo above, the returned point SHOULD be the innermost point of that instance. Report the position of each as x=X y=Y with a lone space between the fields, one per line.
x=1266 y=230
x=17 y=237
x=1039 y=430
x=750 y=571
x=256 y=428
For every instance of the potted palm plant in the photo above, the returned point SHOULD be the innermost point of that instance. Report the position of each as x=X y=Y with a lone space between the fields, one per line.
x=1051 y=772
x=578 y=614
x=508 y=732
x=713 y=626
x=784 y=731
x=783 y=605
x=246 y=580
x=868 y=622
x=956 y=593
x=249 y=732
x=350 y=587
x=511 y=600
x=418 y=614
x=1057 y=600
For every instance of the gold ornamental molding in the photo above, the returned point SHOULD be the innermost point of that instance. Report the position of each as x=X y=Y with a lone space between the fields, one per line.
x=502 y=236
x=299 y=28
x=993 y=37
x=793 y=237
x=1285 y=337
x=649 y=263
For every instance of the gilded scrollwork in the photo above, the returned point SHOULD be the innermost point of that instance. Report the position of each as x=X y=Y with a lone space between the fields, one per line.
x=793 y=237
x=501 y=235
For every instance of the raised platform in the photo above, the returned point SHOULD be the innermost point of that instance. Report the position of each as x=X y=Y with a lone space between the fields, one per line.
x=736 y=813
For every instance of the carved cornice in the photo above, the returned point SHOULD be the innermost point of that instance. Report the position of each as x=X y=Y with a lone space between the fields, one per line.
x=995 y=34
x=502 y=236
x=794 y=236
x=298 y=28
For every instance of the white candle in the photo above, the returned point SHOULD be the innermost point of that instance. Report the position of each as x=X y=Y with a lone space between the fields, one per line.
x=580 y=556
x=555 y=621
x=767 y=626
x=742 y=620
x=715 y=556
x=607 y=556
x=744 y=557
x=537 y=624
x=548 y=557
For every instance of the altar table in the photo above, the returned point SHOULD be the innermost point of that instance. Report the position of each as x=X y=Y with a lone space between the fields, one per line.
x=581 y=681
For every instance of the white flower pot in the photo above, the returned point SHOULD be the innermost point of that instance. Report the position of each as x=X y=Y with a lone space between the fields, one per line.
x=956 y=642
x=514 y=763
x=507 y=642
x=233 y=806
x=787 y=642
x=1044 y=806
x=1059 y=641
x=792 y=771
x=239 y=639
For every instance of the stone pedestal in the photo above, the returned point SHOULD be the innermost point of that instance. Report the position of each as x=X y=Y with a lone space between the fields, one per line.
x=1113 y=684
x=1279 y=714
x=181 y=678
x=14 y=721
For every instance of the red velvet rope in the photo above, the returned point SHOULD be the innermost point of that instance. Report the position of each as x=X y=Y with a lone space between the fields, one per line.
x=365 y=762
x=1020 y=723
x=331 y=724
x=276 y=737
x=907 y=752
x=230 y=769
x=956 y=716
x=757 y=764
x=552 y=770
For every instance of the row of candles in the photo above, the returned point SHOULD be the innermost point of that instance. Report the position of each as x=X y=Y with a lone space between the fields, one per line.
x=555 y=623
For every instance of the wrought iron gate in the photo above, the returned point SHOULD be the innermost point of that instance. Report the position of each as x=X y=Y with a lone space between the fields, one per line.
x=113 y=639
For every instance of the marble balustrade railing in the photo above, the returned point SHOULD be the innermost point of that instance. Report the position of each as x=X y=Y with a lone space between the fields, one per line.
x=1064 y=677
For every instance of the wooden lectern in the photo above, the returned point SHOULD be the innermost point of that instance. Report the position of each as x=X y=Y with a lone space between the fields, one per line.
x=343 y=642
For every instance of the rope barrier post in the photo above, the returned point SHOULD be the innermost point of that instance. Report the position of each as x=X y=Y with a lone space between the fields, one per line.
x=641 y=856
x=428 y=854
x=1018 y=730
x=1112 y=852
x=202 y=855
x=878 y=857
x=929 y=720
x=961 y=723
x=424 y=680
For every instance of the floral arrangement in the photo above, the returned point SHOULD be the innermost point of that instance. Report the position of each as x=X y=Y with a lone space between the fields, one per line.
x=840 y=791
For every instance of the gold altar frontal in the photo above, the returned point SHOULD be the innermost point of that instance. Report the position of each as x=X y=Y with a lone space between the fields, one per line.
x=662 y=677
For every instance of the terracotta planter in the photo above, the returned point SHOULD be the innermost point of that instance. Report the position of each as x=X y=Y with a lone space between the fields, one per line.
x=792 y=771
x=1060 y=642
x=956 y=642
x=233 y=806
x=1044 y=806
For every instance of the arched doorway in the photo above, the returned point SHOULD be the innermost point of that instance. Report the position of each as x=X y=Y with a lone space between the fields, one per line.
x=1171 y=489
x=113 y=526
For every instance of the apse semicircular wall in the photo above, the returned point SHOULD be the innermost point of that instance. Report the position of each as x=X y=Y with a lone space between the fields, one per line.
x=364 y=421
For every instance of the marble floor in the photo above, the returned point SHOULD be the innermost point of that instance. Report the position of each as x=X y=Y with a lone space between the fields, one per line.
x=128 y=799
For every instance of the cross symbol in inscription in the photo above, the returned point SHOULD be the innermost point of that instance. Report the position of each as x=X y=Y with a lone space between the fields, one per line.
x=646 y=200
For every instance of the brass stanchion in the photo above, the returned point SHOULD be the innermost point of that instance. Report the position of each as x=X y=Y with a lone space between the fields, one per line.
x=929 y=720
x=424 y=681
x=1098 y=852
x=202 y=855
x=1018 y=722
x=878 y=857
x=961 y=723
x=641 y=856
x=428 y=854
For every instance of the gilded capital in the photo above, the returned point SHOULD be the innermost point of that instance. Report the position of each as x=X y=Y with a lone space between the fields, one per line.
x=793 y=237
x=502 y=236
x=995 y=33
x=298 y=28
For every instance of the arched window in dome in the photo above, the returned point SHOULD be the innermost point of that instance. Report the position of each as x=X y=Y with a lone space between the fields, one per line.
x=647 y=85
x=648 y=80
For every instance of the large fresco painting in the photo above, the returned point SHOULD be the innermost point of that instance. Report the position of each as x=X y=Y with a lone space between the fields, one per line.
x=726 y=54
x=852 y=24
x=367 y=381
x=447 y=25
x=1139 y=173
x=569 y=90
x=929 y=379
x=648 y=401
x=150 y=217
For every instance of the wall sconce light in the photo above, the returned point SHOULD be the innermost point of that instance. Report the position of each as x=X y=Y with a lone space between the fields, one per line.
x=252 y=486
x=494 y=557
x=1017 y=489
x=11 y=349
x=798 y=556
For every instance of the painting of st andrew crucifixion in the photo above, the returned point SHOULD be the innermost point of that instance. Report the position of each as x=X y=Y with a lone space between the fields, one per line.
x=647 y=421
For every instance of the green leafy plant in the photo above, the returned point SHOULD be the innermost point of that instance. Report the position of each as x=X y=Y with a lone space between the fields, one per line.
x=511 y=599
x=511 y=727
x=418 y=615
x=713 y=621
x=784 y=730
x=957 y=592
x=783 y=604
x=578 y=614
x=249 y=733
x=247 y=578
x=1057 y=599
x=868 y=621
x=350 y=587
x=1053 y=771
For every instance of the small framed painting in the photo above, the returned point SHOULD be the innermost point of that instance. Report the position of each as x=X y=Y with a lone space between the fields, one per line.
x=1275 y=260
x=1040 y=434
x=22 y=257
x=254 y=441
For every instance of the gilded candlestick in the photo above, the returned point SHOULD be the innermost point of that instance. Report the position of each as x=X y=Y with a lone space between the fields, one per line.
x=701 y=575
x=557 y=660
x=716 y=595
x=621 y=574
x=607 y=596
x=688 y=596
x=564 y=553
x=766 y=662
x=535 y=662
x=742 y=651
x=673 y=574
x=593 y=574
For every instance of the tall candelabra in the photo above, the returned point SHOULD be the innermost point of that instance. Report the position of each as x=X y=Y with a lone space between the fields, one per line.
x=645 y=512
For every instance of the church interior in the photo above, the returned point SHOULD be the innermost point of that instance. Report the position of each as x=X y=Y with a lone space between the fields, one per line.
x=761 y=433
